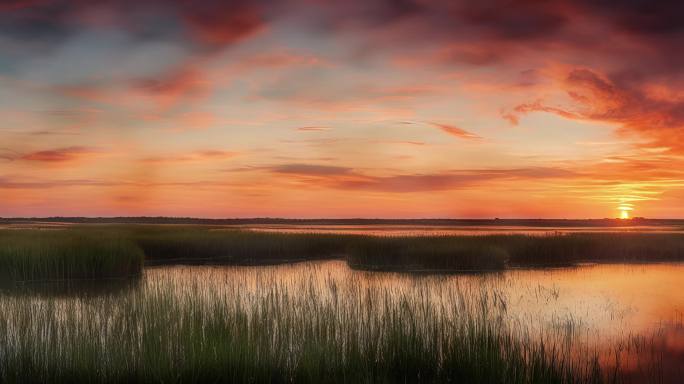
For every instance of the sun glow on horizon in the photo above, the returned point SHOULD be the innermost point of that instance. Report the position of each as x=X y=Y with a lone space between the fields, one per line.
x=624 y=211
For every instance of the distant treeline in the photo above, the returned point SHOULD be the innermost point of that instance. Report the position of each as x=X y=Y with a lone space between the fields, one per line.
x=359 y=221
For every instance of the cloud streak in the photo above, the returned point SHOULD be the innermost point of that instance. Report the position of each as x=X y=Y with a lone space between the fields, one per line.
x=346 y=178
x=197 y=156
x=58 y=155
x=456 y=131
x=313 y=128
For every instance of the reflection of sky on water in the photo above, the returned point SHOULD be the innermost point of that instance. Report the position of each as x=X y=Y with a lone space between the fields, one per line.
x=425 y=230
x=634 y=312
x=637 y=308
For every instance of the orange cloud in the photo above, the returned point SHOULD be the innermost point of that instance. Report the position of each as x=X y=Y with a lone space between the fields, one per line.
x=59 y=155
x=314 y=128
x=171 y=88
x=401 y=142
x=514 y=116
x=197 y=156
x=344 y=178
x=619 y=101
x=456 y=131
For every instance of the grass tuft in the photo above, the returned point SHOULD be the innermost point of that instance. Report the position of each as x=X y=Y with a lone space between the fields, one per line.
x=39 y=255
x=202 y=245
x=425 y=254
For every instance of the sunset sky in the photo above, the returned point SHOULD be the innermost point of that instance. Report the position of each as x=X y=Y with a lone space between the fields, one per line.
x=358 y=108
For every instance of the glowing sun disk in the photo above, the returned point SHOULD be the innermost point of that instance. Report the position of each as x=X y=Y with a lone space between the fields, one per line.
x=624 y=211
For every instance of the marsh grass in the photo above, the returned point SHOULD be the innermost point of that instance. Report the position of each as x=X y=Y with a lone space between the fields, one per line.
x=213 y=245
x=302 y=330
x=67 y=288
x=40 y=255
x=591 y=247
x=206 y=245
x=425 y=254
x=305 y=329
x=97 y=252
x=495 y=252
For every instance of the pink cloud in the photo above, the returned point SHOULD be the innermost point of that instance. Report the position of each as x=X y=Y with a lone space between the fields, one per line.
x=59 y=155
x=221 y=23
x=197 y=156
x=313 y=128
x=345 y=178
x=456 y=131
x=619 y=101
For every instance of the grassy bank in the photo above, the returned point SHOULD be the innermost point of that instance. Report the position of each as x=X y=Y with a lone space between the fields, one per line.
x=425 y=254
x=496 y=252
x=95 y=252
x=591 y=247
x=39 y=255
x=271 y=329
x=196 y=244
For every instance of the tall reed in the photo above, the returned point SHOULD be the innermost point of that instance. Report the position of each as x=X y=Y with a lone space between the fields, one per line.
x=489 y=252
x=425 y=254
x=30 y=255
x=306 y=329
x=188 y=244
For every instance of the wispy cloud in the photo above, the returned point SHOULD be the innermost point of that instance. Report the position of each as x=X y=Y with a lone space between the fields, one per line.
x=197 y=156
x=59 y=155
x=456 y=131
x=346 y=178
x=313 y=128
x=311 y=170
x=401 y=142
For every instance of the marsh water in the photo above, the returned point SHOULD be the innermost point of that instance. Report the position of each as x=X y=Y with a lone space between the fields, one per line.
x=630 y=315
x=443 y=230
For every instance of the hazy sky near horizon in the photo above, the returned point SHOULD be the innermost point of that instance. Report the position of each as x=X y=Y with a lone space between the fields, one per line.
x=315 y=108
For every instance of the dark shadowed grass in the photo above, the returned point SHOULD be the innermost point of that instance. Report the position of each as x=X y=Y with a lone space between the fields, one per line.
x=88 y=252
x=201 y=245
x=197 y=244
x=492 y=252
x=425 y=254
x=40 y=255
x=591 y=247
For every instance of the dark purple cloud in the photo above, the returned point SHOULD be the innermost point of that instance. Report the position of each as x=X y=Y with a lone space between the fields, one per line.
x=475 y=32
x=201 y=26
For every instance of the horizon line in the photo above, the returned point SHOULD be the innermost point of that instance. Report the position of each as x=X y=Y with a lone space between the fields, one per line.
x=335 y=218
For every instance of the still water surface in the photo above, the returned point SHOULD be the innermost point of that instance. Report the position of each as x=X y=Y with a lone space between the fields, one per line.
x=631 y=311
x=627 y=313
x=427 y=230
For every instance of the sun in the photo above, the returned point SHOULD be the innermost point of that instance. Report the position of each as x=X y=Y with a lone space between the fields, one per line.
x=624 y=211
